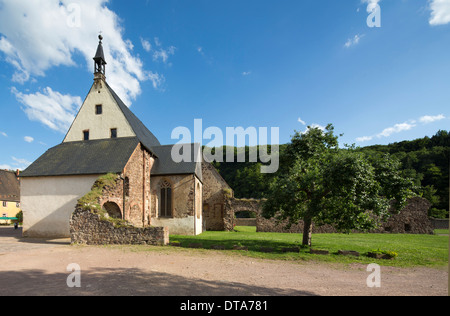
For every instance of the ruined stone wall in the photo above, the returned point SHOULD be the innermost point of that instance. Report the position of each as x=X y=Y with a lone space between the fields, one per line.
x=132 y=190
x=88 y=228
x=113 y=194
x=274 y=226
x=215 y=192
x=413 y=219
x=439 y=223
x=233 y=205
x=137 y=196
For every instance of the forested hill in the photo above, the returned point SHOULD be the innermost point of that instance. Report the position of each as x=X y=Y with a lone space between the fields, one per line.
x=426 y=160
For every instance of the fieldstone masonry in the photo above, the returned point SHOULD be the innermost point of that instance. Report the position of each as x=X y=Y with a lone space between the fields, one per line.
x=413 y=219
x=88 y=228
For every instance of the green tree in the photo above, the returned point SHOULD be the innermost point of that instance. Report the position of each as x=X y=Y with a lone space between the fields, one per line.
x=328 y=185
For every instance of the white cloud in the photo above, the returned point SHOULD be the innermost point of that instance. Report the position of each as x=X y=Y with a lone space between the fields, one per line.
x=314 y=125
x=246 y=73
x=146 y=45
x=4 y=134
x=371 y=4
x=397 y=128
x=5 y=167
x=440 y=12
x=364 y=139
x=53 y=109
x=28 y=139
x=162 y=53
x=353 y=41
x=40 y=34
x=301 y=121
x=21 y=163
x=430 y=119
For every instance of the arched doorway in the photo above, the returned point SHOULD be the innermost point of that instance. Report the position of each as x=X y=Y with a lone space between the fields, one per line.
x=113 y=210
x=245 y=218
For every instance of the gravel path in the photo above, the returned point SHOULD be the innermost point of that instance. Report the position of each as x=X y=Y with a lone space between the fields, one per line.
x=33 y=267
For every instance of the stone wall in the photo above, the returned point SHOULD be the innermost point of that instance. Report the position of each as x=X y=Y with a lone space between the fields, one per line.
x=233 y=205
x=245 y=221
x=137 y=195
x=413 y=219
x=90 y=229
x=215 y=192
x=440 y=223
x=132 y=190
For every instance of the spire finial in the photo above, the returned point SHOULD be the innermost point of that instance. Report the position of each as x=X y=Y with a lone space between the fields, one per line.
x=99 y=59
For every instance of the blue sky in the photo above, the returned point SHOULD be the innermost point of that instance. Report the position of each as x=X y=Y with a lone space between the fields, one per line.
x=249 y=63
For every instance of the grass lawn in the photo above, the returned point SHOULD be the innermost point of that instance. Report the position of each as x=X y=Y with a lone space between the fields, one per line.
x=413 y=250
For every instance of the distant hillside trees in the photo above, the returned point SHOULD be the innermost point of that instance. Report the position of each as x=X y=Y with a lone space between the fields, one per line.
x=425 y=160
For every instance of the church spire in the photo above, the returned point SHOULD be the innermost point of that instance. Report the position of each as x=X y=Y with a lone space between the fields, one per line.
x=99 y=59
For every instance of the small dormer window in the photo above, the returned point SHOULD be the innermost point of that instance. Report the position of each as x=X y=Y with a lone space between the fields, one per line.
x=86 y=135
x=113 y=132
x=98 y=109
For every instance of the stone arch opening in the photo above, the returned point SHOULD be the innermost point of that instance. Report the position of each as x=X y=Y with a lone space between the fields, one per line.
x=245 y=214
x=113 y=210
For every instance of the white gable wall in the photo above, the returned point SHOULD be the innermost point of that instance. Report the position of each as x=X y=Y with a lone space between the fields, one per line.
x=99 y=126
x=48 y=203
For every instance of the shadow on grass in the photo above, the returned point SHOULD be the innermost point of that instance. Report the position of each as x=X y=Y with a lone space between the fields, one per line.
x=263 y=245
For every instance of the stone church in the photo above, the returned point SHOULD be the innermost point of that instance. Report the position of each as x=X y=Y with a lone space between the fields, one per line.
x=106 y=137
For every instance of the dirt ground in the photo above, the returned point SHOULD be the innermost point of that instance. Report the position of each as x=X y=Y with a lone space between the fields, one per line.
x=39 y=267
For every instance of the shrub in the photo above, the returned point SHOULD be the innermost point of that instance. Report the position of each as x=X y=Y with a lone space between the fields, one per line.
x=387 y=254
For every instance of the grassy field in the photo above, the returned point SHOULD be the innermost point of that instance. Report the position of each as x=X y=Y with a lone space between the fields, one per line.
x=413 y=250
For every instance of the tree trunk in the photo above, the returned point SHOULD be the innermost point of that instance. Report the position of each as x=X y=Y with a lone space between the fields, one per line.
x=307 y=231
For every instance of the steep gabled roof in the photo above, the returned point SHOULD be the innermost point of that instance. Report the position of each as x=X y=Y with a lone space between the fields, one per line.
x=84 y=158
x=9 y=186
x=145 y=136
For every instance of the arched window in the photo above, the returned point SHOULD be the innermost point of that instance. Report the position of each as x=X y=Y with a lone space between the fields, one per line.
x=165 y=209
x=113 y=210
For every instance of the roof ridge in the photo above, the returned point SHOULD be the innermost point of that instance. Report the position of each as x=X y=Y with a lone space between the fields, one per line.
x=144 y=135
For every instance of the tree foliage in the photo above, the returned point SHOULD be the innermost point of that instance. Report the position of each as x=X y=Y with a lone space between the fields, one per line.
x=327 y=185
x=424 y=160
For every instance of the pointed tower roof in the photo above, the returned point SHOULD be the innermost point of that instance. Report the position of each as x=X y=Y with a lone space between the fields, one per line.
x=99 y=55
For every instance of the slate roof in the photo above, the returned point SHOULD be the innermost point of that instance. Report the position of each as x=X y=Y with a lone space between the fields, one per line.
x=84 y=158
x=107 y=156
x=99 y=55
x=9 y=187
x=145 y=136
x=165 y=165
